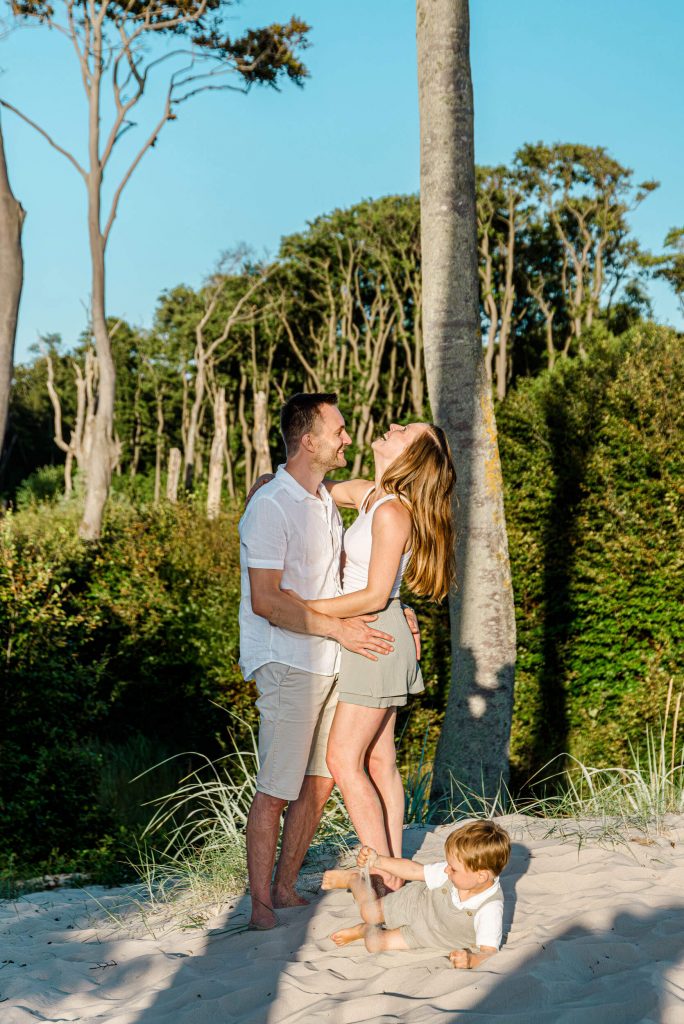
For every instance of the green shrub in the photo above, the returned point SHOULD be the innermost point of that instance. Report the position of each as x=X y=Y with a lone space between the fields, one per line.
x=109 y=650
x=45 y=484
x=593 y=463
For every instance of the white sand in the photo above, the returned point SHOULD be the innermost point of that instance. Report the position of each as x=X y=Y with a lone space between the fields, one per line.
x=595 y=936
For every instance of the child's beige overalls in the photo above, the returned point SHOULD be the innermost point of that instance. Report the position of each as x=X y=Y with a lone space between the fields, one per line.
x=428 y=918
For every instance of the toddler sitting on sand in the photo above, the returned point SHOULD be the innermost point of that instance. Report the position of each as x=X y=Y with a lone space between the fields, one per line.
x=455 y=905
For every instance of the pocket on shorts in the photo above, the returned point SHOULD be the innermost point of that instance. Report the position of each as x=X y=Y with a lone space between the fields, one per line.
x=268 y=680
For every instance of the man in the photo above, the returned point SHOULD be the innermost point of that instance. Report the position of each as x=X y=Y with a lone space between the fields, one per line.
x=291 y=538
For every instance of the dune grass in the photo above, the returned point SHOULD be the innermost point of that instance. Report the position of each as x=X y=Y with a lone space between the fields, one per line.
x=192 y=854
x=192 y=857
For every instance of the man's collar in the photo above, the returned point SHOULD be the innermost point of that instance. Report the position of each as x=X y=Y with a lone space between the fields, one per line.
x=298 y=492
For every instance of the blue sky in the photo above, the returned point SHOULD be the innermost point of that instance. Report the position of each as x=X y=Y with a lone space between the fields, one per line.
x=237 y=168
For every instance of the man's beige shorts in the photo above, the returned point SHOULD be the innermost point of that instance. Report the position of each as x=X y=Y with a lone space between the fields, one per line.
x=296 y=710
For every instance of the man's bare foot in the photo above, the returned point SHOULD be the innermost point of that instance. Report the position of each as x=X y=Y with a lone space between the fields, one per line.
x=339 y=879
x=347 y=935
x=263 y=918
x=284 y=897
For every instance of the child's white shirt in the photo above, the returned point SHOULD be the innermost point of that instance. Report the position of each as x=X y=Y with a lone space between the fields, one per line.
x=488 y=920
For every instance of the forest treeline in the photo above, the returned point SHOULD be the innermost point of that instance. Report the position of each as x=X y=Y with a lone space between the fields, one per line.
x=121 y=654
x=124 y=652
x=338 y=310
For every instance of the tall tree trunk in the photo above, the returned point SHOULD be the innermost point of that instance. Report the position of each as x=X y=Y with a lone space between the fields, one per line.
x=216 y=456
x=137 y=426
x=173 y=476
x=261 y=450
x=473 y=746
x=11 y=281
x=103 y=454
x=159 y=445
x=192 y=471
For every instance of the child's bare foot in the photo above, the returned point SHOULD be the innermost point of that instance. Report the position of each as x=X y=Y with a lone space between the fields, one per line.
x=339 y=879
x=347 y=935
x=287 y=897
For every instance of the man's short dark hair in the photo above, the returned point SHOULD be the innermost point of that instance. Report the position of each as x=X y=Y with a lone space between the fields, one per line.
x=298 y=416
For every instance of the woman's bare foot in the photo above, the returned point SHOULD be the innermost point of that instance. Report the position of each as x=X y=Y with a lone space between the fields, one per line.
x=347 y=935
x=339 y=879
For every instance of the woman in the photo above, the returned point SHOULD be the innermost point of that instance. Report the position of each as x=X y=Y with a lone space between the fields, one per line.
x=403 y=530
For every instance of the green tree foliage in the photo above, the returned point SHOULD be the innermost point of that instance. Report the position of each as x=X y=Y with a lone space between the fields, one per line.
x=338 y=310
x=99 y=645
x=670 y=266
x=592 y=458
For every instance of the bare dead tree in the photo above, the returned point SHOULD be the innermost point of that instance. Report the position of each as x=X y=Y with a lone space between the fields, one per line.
x=209 y=350
x=113 y=43
x=500 y=216
x=216 y=457
x=173 y=475
x=80 y=440
x=159 y=440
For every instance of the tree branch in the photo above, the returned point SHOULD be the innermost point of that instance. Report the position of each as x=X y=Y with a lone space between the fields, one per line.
x=168 y=115
x=41 y=131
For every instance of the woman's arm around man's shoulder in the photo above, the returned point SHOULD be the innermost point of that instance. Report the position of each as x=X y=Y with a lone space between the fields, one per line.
x=348 y=493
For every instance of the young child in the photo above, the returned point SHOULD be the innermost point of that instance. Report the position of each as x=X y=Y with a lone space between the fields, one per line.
x=455 y=905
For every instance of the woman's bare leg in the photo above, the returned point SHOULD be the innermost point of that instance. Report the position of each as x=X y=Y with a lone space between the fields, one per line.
x=381 y=761
x=353 y=730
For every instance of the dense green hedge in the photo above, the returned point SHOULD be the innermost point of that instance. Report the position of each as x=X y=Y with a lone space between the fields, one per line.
x=111 y=652
x=116 y=655
x=593 y=463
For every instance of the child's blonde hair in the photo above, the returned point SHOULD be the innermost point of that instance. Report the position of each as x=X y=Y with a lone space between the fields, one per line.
x=481 y=845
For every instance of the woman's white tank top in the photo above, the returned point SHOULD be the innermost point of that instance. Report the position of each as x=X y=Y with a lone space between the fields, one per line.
x=358 y=541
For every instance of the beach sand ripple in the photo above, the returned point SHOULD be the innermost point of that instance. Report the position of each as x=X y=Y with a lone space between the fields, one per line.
x=595 y=935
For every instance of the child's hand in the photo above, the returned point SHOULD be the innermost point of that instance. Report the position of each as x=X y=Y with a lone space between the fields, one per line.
x=366 y=856
x=461 y=959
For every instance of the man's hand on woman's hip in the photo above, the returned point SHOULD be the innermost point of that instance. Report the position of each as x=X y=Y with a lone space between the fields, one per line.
x=358 y=636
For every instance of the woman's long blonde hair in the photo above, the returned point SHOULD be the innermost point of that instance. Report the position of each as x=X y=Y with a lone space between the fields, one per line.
x=423 y=478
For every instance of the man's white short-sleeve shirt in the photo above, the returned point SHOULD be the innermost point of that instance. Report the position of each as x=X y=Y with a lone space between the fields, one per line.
x=285 y=527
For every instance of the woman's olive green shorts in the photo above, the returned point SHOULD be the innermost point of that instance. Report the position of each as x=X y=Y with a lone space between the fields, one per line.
x=387 y=682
